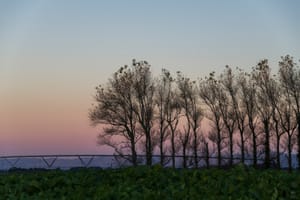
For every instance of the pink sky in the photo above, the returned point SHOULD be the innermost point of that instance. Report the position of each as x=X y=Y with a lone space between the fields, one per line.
x=54 y=53
x=44 y=122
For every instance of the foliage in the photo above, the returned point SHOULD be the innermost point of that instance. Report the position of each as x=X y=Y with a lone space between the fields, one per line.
x=156 y=182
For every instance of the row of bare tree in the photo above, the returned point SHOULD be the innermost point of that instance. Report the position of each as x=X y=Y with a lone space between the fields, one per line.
x=247 y=114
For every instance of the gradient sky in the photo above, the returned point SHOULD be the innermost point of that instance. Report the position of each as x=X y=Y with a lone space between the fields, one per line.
x=53 y=53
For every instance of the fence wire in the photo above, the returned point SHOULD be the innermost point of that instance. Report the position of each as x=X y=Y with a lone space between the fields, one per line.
x=69 y=161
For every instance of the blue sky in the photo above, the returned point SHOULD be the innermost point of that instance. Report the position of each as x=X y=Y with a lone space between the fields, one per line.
x=53 y=53
x=178 y=34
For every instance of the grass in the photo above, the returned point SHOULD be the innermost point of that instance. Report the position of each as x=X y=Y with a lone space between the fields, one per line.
x=151 y=183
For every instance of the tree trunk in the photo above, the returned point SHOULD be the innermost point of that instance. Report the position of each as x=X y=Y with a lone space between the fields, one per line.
x=290 y=152
x=173 y=147
x=254 y=151
x=231 y=148
x=207 y=155
x=254 y=146
x=195 y=149
x=278 y=152
x=133 y=153
x=219 y=149
x=184 y=156
x=161 y=146
x=298 y=139
x=278 y=136
x=148 y=149
x=267 y=143
x=242 y=147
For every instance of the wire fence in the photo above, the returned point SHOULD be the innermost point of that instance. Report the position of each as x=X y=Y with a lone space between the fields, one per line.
x=68 y=161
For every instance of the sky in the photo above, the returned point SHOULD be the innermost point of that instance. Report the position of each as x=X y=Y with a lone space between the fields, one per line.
x=54 y=52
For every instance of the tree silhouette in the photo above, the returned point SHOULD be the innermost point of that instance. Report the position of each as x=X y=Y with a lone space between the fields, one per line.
x=228 y=106
x=210 y=92
x=143 y=90
x=163 y=100
x=173 y=114
x=192 y=112
x=289 y=74
x=256 y=111
x=115 y=110
x=248 y=99
x=261 y=75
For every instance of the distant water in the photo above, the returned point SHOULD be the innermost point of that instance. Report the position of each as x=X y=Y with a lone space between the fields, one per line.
x=98 y=161
x=60 y=162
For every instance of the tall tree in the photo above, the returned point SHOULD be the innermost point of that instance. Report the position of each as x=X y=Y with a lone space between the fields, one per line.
x=239 y=109
x=289 y=73
x=185 y=134
x=262 y=76
x=209 y=91
x=288 y=124
x=228 y=106
x=274 y=96
x=192 y=111
x=247 y=101
x=173 y=113
x=143 y=90
x=196 y=116
x=163 y=101
x=114 y=110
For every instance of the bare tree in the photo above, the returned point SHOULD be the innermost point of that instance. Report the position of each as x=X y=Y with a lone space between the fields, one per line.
x=173 y=113
x=163 y=101
x=209 y=91
x=262 y=76
x=274 y=94
x=228 y=106
x=289 y=74
x=235 y=91
x=192 y=111
x=247 y=101
x=143 y=90
x=114 y=109
x=173 y=118
x=288 y=124
x=185 y=134
x=196 y=116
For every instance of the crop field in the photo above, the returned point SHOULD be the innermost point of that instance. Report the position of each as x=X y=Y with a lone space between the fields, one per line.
x=150 y=183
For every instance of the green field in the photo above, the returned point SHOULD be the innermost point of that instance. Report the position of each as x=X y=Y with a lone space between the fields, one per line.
x=150 y=183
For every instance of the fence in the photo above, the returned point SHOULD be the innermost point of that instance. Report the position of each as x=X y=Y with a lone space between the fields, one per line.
x=100 y=160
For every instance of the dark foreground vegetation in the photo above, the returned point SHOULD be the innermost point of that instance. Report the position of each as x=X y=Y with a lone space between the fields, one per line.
x=154 y=182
